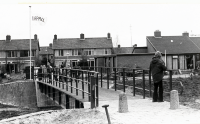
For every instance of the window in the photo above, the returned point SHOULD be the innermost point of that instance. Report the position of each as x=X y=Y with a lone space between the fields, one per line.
x=24 y=53
x=75 y=53
x=89 y=51
x=106 y=51
x=12 y=53
x=60 y=52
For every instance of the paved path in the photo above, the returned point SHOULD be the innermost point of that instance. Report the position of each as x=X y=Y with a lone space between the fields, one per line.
x=144 y=111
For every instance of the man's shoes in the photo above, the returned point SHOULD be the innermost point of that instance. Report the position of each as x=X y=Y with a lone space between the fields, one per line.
x=154 y=101
x=160 y=101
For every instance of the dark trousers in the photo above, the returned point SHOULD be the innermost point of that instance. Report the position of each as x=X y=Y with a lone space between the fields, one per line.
x=158 y=95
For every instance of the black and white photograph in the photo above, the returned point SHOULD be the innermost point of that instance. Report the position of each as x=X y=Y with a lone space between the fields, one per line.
x=99 y=62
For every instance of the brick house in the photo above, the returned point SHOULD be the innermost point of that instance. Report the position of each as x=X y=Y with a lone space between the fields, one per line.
x=15 y=53
x=181 y=51
x=46 y=54
x=71 y=50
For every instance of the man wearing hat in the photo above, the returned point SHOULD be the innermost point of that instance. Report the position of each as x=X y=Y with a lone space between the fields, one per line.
x=157 y=68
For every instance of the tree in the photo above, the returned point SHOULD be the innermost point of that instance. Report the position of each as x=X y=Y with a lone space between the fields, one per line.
x=83 y=62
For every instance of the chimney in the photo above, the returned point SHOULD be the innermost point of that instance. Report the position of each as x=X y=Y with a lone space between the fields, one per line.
x=82 y=36
x=157 y=34
x=185 y=33
x=50 y=45
x=35 y=37
x=8 y=37
x=55 y=37
x=108 y=36
x=118 y=46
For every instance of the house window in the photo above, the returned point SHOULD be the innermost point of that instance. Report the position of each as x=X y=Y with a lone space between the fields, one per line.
x=12 y=53
x=106 y=51
x=76 y=52
x=60 y=52
x=24 y=53
x=89 y=51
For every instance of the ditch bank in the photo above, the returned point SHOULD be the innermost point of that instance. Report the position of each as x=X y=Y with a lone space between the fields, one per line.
x=19 y=93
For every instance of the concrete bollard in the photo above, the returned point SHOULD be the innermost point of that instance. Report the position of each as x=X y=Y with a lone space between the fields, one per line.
x=174 y=100
x=123 y=105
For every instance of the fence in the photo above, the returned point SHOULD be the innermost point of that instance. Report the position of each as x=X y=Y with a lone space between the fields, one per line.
x=80 y=84
x=132 y=80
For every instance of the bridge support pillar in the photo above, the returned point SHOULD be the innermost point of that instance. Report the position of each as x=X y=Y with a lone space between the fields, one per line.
x=67 y=101
x=60 y=97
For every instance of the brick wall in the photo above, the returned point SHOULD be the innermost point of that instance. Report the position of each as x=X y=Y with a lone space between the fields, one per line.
x=132 y=61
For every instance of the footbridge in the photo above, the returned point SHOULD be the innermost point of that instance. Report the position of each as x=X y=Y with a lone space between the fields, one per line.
x=77 y=88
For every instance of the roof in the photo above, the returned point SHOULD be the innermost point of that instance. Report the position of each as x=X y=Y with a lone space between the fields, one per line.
x=19 y=44
x=140 y=50
x=120 y=50
x=76 y=43
x=46 y=50
x=173 y=44
x=196 y=40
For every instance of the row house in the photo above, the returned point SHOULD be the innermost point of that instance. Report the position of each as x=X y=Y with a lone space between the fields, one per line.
x=182 y=52
x=72 y=50
x=15 y=53
x=46 y=54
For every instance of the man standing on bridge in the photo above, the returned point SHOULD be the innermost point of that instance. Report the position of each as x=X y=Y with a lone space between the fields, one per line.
x=157 y=68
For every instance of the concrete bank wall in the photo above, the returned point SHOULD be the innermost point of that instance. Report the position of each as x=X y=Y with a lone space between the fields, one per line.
x=22 y=94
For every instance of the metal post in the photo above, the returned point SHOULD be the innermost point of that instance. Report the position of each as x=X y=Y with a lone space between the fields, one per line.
x=93 y=82
x=170 y=80
x=133 y=82
x=71 y=81
x=59 y=77
x=115 y=70
x=97 y=90
x=76 y=77
x=143 y=83
x=101 y=77
x=124 y=80
x=107 y=78
x=66 y=79
x=82 y=85
x=89 y=89
x=150 y=93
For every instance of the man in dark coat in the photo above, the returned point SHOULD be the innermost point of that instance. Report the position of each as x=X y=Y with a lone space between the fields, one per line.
x=157 y=68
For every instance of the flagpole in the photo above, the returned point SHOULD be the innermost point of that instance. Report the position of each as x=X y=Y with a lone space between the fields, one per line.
x=30 y=40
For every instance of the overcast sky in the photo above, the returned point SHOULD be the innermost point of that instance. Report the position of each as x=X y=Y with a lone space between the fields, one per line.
x=68 y=19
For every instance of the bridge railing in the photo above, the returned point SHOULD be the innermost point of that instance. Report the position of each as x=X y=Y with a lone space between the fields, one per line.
x=134 y=80
x=81 y=83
